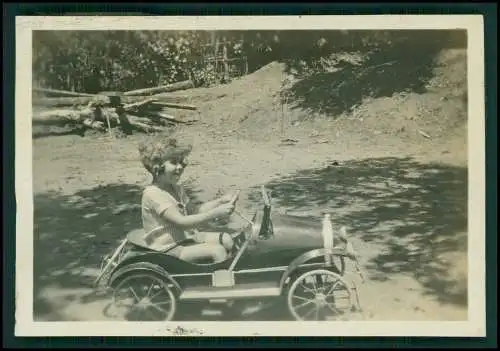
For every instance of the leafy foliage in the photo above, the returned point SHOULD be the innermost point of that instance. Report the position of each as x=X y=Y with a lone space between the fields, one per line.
x=93 y=61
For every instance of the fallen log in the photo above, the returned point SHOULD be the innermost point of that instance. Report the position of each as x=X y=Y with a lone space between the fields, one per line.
x=145 y=120
x=65 y=101
x=170 y=118
x=61 y=92
x=187 y=84
x=61 y=101
x=62 y=116
x=65 y=118
x=174 y=105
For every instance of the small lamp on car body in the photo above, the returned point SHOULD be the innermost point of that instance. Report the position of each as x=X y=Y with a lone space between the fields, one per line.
x=327 y=233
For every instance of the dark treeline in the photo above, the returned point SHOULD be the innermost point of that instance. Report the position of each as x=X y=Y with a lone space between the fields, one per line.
x=92 y=61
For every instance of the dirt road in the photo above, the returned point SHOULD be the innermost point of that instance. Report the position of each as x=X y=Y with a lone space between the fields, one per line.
x=406 y=210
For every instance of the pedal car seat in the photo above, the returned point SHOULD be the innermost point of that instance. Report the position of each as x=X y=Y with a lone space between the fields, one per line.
x=136 y=237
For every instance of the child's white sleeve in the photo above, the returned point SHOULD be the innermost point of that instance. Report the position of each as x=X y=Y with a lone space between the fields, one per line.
x=158 y=200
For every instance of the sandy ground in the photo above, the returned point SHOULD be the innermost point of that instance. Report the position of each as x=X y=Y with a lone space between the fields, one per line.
x=75 y=198
x=403 y=198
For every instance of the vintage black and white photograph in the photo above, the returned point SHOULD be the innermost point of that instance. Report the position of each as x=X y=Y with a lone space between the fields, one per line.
x=290 y=175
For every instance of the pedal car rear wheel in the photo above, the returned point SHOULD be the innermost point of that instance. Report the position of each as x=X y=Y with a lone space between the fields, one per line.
x=319 y=295
x=145 y=297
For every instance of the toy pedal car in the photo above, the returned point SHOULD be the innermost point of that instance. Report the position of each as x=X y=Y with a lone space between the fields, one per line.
x=289 y=258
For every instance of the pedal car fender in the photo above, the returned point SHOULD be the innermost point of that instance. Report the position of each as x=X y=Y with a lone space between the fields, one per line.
x=307 y=256
x=124 y=271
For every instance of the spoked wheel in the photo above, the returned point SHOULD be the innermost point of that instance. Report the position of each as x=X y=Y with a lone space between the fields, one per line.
x=319 y=295
x=145 y=297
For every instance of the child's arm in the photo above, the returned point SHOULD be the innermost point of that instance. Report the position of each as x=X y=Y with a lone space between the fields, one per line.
x=210 y=205
x=164 y=205
x=173 y=215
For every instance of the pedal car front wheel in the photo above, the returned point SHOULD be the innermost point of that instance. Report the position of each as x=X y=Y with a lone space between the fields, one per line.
x=319 y=295
x=145 y=297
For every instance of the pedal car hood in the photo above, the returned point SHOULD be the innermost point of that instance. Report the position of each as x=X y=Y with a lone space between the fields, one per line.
x=293 y=236
x=294 y=232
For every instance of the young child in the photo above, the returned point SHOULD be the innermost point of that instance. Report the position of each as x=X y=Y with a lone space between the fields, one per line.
x=165 y=205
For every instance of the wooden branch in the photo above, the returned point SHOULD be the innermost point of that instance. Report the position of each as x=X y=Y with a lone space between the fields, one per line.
x=141 y=119
x=145 y=127
x=135 y=105
x=424 y=134
x=171 y=118
x=187 y=84
x=168 y=118
x=173 y=105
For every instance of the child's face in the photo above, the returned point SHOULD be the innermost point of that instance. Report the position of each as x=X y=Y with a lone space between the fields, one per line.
x=172 y=171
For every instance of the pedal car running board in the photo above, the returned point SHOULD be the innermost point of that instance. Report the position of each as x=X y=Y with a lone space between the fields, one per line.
x=237 y=292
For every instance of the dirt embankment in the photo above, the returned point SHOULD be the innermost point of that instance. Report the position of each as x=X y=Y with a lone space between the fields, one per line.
x=249 y=108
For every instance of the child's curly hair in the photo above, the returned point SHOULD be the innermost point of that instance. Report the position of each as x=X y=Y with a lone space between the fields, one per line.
x=157 y=150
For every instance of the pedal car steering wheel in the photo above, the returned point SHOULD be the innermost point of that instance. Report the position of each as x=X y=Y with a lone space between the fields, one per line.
x=237 y=239
x=248 y=232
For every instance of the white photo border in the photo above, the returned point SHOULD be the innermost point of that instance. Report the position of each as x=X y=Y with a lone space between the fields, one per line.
x=475 y=326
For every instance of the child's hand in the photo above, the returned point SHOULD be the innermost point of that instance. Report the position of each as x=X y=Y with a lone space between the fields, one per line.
x=224 y=210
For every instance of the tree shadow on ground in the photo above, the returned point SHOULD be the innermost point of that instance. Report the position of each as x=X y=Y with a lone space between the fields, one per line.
x=416 y=213
x=403 y=66
x=73 y=233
